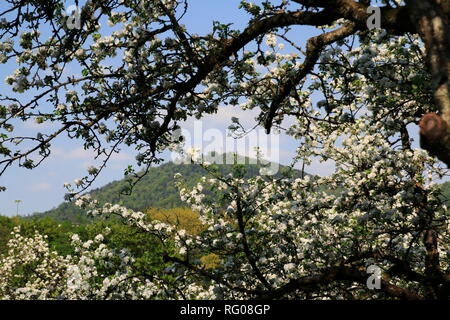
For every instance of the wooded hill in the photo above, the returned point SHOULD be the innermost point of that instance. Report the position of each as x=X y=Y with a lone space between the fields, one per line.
x=156 y=190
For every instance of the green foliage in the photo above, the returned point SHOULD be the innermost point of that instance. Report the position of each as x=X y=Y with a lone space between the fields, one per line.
x=6 y=226
x=445 y=192
x=156 y=195
x=145 y=247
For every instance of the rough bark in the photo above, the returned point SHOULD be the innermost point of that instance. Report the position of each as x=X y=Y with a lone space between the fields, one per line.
x=432 y=24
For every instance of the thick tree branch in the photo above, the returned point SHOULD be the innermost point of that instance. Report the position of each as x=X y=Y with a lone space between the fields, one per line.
x=433 y=26
x=340 y=273
x=395 y=20
x=314 y=47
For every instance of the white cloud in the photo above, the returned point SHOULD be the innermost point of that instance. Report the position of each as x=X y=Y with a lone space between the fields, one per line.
x=211 y=133
x=79 y=153
x=122 y=156
x=41 y=187
x=222 y=119
x=224 y=115
x=321 y=168
x=82 y=154
x=31 y=124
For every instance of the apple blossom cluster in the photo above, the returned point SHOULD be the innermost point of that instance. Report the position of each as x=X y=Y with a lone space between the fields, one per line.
x=93 y=272
x=289 y=227
x=281 y=236
x=49 y=269
x=138 y=100
x=376 y=201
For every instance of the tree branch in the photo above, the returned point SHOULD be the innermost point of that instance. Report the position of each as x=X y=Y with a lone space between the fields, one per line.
x=433 y=27
x=332 y=274
x=314 y=47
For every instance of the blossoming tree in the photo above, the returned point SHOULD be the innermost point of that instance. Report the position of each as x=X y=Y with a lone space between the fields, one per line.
x=274 y=237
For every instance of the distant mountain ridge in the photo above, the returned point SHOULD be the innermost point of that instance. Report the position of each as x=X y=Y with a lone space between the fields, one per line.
x=155 y=190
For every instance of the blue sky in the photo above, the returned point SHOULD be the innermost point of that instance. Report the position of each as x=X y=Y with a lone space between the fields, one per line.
x=42 y=188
